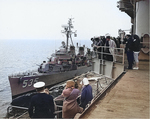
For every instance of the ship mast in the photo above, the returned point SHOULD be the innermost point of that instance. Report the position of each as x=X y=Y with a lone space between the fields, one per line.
x=67 y=30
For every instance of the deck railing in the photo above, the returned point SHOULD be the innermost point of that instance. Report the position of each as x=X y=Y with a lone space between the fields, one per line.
x=116 y=53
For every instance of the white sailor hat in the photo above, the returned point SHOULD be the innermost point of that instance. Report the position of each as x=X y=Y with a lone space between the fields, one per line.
x=107 y=34
x=39 y=85
x=85 y=81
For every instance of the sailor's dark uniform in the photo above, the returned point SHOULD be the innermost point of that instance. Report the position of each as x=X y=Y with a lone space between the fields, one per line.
x=42 y=106
x=129 y=52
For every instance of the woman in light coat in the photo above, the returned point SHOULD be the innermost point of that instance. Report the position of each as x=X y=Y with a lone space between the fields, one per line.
x=70 y=105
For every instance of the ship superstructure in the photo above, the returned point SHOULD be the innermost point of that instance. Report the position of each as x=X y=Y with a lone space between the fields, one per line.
x=138 y=10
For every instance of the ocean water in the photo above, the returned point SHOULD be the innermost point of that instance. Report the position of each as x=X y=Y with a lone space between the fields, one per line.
x=20 y=56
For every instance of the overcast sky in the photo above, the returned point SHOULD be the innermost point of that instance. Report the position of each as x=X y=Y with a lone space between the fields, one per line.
x=42 y=19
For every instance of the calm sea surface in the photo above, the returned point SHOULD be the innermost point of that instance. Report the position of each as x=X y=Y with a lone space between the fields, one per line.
x=20 y=56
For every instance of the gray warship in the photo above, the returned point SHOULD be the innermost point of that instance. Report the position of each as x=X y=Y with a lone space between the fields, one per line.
x=64 y=64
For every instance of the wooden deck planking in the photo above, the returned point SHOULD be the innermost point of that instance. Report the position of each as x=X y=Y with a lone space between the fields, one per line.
x=128 y=99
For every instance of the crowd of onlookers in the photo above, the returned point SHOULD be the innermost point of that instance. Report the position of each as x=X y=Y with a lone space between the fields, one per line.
x=107 y=44
x=42 y=104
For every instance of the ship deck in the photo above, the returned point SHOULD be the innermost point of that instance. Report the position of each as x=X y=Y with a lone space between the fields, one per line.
x=128 y=99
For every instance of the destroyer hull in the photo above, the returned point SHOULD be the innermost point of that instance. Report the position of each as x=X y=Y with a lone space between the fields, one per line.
x=21 y=85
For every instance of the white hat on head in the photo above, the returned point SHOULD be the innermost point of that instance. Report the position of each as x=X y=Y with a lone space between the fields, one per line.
x=39 y=85
x=107 y=34
x=85 y=81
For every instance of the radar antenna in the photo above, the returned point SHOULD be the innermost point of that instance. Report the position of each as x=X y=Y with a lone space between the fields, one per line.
x=68 y=32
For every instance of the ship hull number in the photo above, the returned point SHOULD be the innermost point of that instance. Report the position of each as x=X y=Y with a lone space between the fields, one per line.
x=29 y=82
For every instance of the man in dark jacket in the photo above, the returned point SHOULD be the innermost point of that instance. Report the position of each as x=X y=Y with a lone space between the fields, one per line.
x=129 y=51
x=42 y=105
x=99 y=49
x=86 y=94
x=136 y=50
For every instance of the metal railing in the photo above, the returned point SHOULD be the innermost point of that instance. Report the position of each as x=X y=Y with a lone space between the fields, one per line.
x=18 y=111
x=116 y=53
